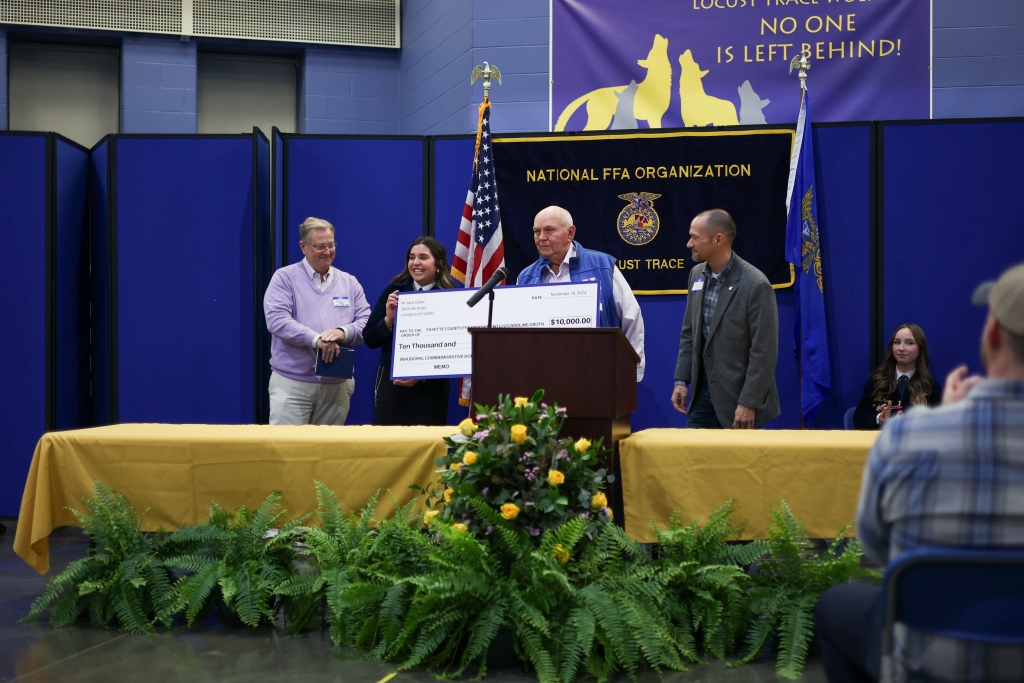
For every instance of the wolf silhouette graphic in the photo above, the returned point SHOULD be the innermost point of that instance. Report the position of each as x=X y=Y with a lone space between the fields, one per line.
x=697 y=107
x=650 y=101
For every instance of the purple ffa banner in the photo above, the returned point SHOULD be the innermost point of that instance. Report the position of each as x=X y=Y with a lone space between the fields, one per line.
x=621 y=64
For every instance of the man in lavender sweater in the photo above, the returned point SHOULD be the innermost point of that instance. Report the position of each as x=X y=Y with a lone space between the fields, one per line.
x=303 y=298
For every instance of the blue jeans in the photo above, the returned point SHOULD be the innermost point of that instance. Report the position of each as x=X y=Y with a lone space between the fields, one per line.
x=702 y=413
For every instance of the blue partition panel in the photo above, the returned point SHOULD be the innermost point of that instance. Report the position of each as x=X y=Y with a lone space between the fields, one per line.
x=277 y=199
x=71 y=306
x=453 y=168
x=99 y=204
x=184 y=295
x=372 y=191
x=952 y=218
x=23 y=289
x=265 y=254
x=844 y=177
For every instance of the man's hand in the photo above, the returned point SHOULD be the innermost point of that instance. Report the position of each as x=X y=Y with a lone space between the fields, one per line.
x=404 y=382
x=335 y=334
x=744 y=418
x=329 y=350
x=392 y=305
x=679 y=399
x=958 y=385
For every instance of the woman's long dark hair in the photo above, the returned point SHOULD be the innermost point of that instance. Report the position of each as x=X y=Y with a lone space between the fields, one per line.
x=920 y=385
x=444 y=277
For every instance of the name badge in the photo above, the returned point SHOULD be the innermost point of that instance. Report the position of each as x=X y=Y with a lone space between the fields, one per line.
x=698 y=285
x=341 y=301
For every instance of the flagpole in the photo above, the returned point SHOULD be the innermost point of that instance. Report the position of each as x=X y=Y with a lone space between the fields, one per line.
x=463 y=261
x=802 y=64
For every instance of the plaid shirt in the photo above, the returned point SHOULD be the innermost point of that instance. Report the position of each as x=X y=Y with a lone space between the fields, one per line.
x=712 y=283
x=952 y=475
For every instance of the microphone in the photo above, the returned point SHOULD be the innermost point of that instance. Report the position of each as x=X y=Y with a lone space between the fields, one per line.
x=499 y=275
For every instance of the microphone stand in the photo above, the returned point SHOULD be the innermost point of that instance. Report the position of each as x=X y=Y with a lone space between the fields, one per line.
x=490 y=307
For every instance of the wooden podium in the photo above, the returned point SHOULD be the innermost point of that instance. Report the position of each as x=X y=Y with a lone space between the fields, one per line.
x=591 y=372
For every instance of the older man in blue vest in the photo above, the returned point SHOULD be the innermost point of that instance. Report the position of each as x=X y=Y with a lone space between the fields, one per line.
x=562 y=259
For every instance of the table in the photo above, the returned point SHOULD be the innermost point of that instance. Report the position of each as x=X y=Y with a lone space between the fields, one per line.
x=818 y=473
x=177 y=470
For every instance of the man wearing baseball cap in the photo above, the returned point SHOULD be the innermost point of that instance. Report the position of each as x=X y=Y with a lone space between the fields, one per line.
x=953 y=476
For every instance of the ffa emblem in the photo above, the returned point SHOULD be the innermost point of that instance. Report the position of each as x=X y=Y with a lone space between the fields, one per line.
x=638 y=223
x=810 y=248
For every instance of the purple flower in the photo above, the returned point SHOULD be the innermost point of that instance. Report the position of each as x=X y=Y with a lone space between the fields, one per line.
x=482 y=434
x=437 y=535
x=559 y=410
x=562 y=455
x=543 y=405
x=490 y=528
x=486 y=490
x=535 y=532
x=481 y=417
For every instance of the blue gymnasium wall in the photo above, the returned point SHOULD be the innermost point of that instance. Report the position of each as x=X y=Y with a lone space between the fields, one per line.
x=185 y=290
x=953 y=217
x=844 y=178
x=23 y=410
x=371 y=190
x=72 y=401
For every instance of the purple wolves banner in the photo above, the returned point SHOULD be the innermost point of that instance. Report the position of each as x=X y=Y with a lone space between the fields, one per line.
x=623 y=64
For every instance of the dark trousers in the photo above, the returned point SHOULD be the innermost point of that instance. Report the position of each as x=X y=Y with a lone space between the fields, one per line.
x=849 y=618
x=702 y=413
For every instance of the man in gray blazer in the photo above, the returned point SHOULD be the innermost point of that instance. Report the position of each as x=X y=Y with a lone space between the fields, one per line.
x=730 y=339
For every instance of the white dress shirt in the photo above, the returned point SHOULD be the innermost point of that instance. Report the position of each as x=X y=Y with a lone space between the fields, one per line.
x=631 y=320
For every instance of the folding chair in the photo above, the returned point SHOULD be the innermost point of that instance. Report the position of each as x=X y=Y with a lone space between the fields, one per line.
x=973 y=594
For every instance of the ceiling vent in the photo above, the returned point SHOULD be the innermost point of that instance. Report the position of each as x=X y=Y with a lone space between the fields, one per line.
x=368 y=23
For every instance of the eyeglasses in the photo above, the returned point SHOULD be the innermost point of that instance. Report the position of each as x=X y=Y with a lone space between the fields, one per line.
x=321 y=248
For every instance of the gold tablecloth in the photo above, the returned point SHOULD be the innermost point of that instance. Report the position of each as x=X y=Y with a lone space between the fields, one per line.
x=818 y=473
x=177 y=470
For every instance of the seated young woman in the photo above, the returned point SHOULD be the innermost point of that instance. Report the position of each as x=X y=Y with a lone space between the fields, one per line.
x=408 y=401
x=901 y=381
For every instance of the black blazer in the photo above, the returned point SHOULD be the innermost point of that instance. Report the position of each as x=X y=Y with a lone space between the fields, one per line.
x=376 y=334
x=867 y=408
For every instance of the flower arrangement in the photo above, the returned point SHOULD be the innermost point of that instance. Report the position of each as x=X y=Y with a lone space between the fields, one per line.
x=511 y=457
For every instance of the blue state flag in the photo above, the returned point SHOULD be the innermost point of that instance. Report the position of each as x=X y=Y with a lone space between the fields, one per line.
x=803 y=250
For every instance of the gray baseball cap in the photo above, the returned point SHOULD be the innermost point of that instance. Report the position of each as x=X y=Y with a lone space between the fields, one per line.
x=1004 y=298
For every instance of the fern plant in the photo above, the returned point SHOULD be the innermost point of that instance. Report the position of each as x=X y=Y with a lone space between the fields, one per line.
x=121 y=582
x=787 y=588
x=232 y=558
x=711 y=580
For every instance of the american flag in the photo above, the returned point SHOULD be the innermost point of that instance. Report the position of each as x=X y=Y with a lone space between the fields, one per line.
x=480 y=250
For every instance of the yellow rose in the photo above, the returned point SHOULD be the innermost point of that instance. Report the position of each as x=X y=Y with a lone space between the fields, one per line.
x=582 y=445
x=455 y=466
x=469 y=458
x=598 y=501
x=521 y=401
x=467 y=427
x=460 y=527
x=510 y=511
x=518 y=433
x=560 y=553
x=429 y=515
x=448 y=495
x=555 y=478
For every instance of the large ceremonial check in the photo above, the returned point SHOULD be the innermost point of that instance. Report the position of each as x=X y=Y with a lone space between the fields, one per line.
x=431 y=333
